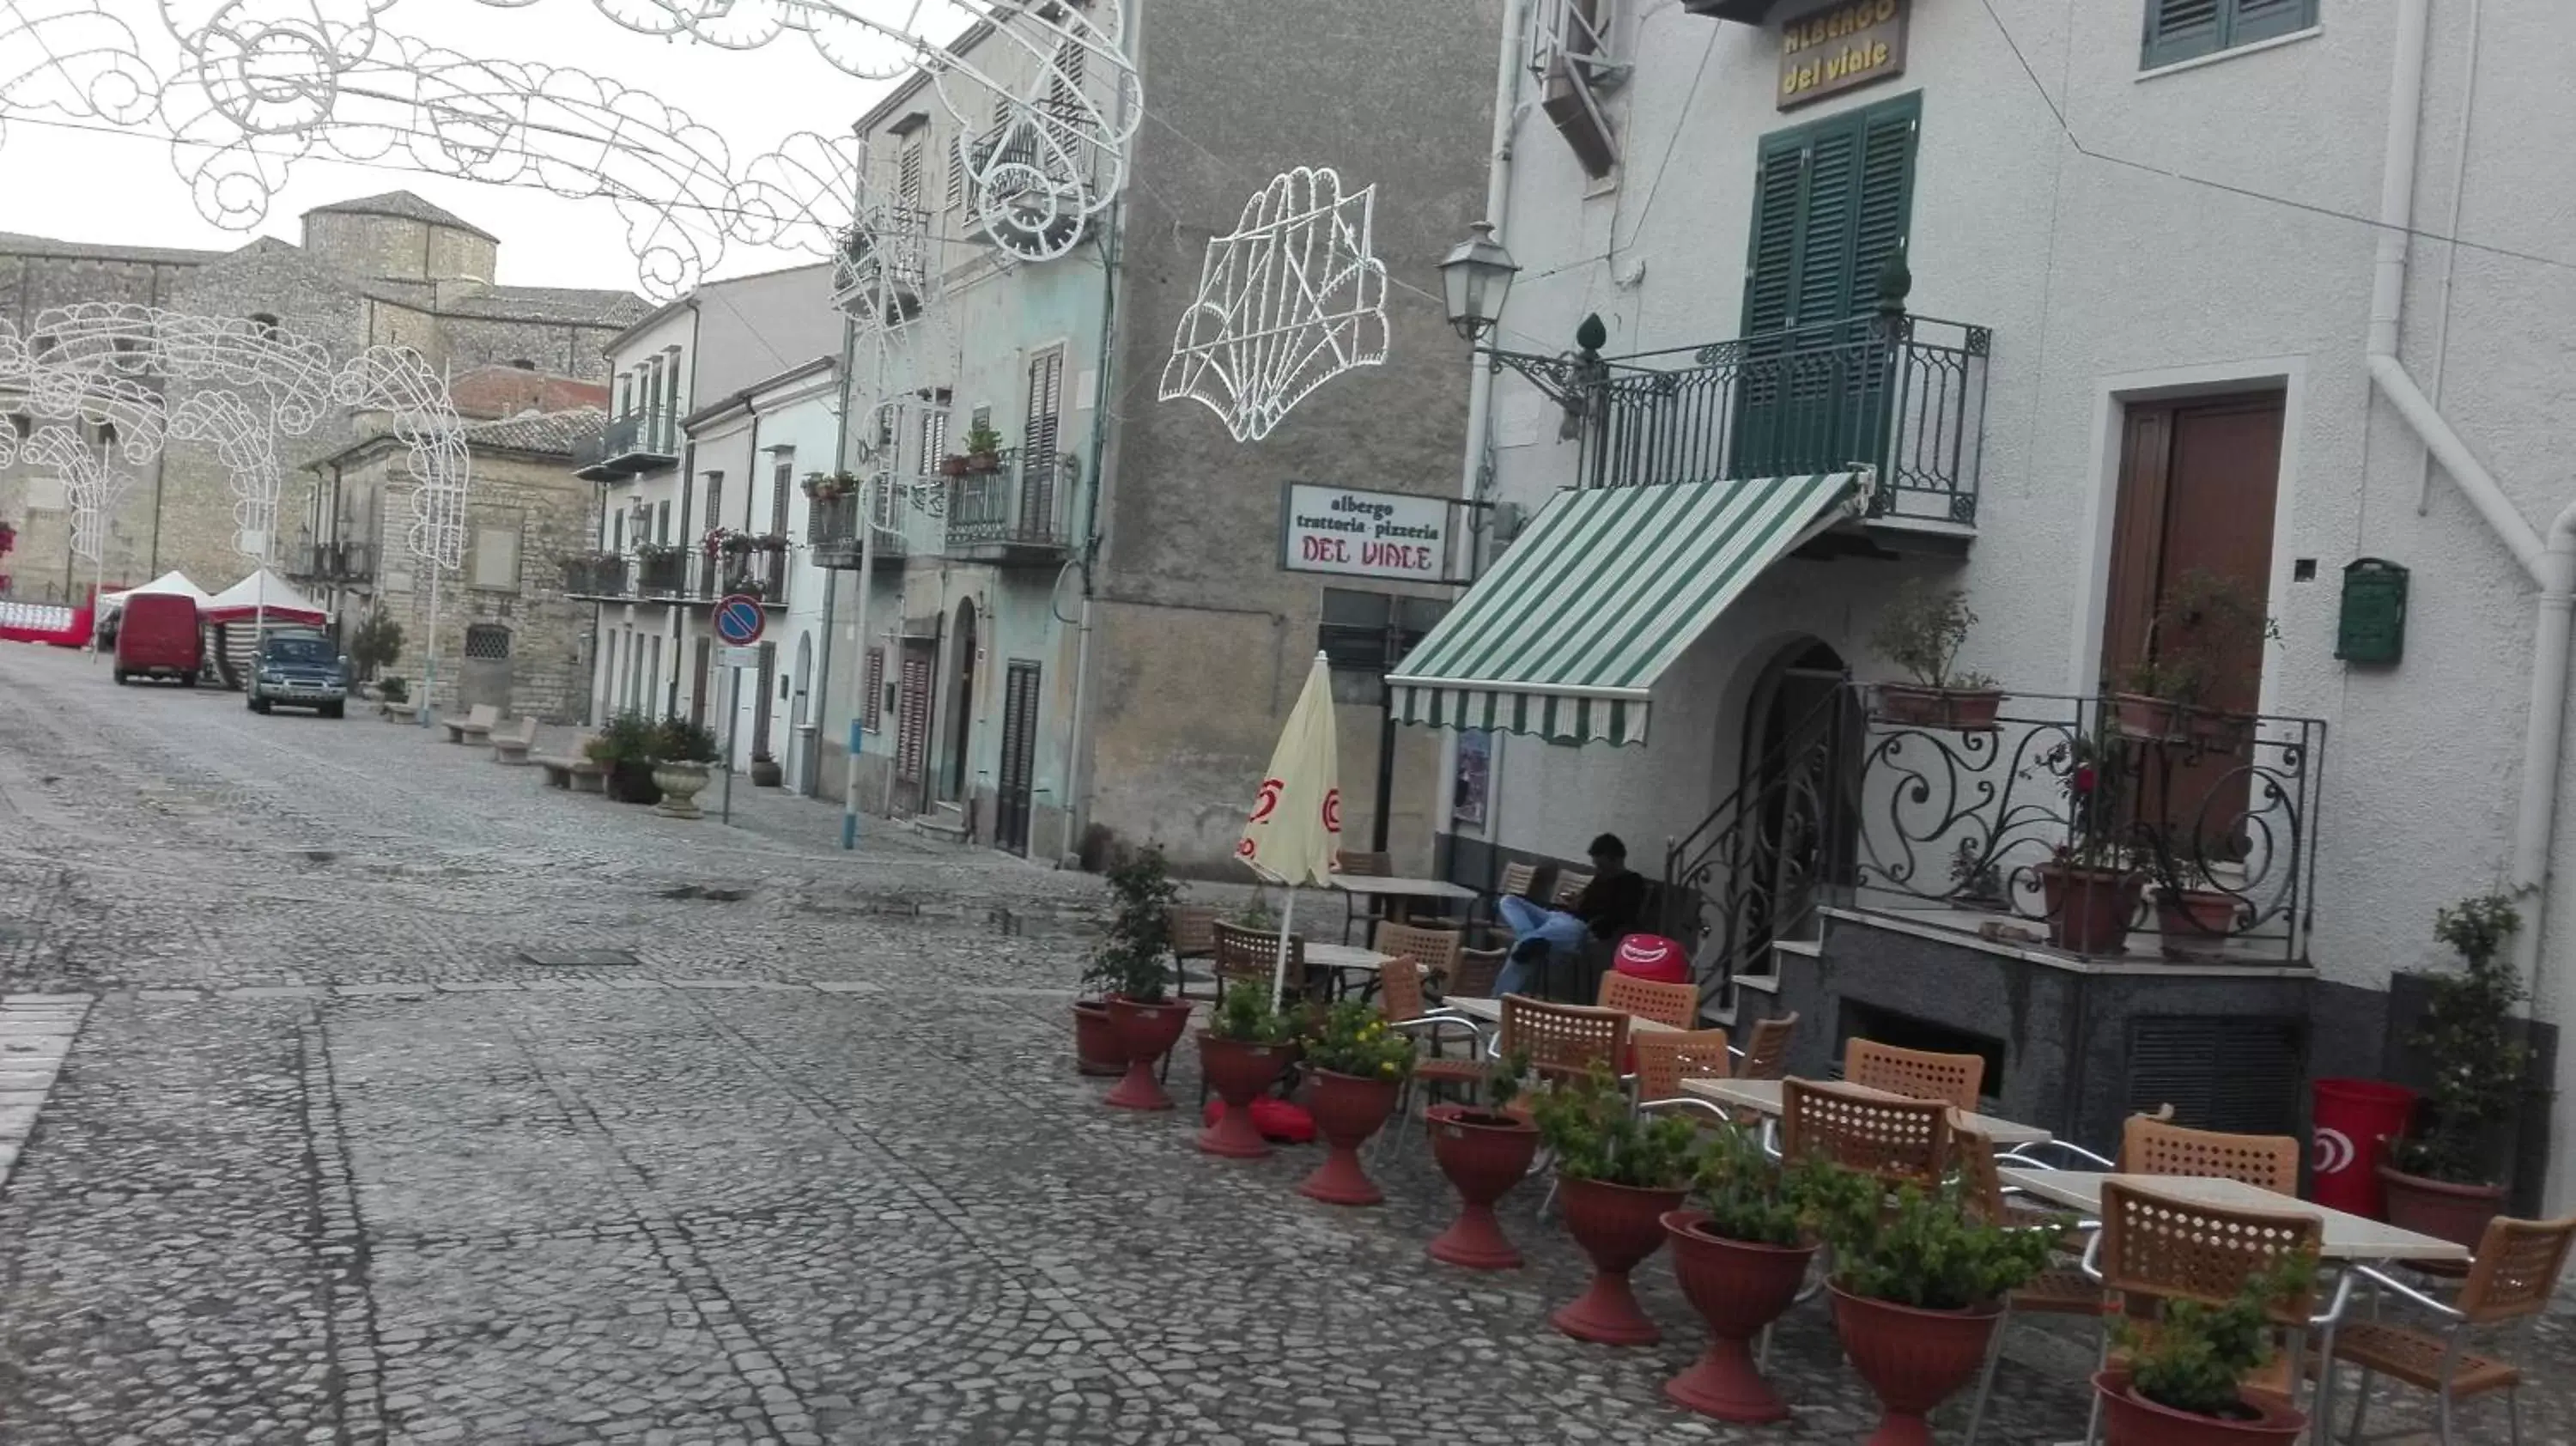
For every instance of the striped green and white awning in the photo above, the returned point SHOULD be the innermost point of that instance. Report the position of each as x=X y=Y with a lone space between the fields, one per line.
x=1567 y=635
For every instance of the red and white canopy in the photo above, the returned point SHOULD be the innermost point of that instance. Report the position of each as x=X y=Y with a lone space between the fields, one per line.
x=262 y=594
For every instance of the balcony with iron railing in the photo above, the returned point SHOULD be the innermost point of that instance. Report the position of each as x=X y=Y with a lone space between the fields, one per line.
x=333 y=562
x=1901 y=394
x=628 y=446
x=2070 y=825
x=1016 y=515
x=883 y=259
x=603 y=576
x=834 y=529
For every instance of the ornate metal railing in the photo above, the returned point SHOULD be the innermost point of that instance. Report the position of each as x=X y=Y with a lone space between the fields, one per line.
x=2062 y=823
x=1015 y=506
x=1903 y=394
x=638 y=434
x=596 y=576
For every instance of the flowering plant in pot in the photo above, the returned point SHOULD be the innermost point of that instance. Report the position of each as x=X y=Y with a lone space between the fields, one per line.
x=1133 y=967
x=1619 y=1175
x=1360 y=1066
x=1918 y=1287
x=2091 y=884
x=1243 y=1049
x=2445 y=1178
x=829 y=487
x=1742 y=1256
x=1485 y=1150
x=2205 y=628
x=2181 y=1380
x=682 y=752
x=1922 y=632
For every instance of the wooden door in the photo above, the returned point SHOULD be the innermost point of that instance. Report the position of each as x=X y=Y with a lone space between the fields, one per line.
x=1019 y=758
x=912 y=727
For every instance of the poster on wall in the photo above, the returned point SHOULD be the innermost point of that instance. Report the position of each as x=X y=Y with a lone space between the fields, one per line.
x=1475 y=759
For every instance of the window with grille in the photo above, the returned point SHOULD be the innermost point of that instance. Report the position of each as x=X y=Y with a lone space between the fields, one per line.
x=779 y=478
x=487 y=643
x=715 y=499
x=872 y=701
x=2179 y=30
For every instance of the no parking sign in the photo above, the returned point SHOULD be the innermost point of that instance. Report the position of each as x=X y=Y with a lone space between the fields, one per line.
x=739 y=620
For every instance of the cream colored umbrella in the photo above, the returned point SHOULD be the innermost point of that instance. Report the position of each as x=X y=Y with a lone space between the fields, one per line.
x=1294 y=836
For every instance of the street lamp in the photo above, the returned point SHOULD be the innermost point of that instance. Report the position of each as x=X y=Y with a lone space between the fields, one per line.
x=1476 y=276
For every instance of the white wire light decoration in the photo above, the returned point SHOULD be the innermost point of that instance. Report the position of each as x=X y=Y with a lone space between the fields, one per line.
x=1292 y=298
x=246 y=88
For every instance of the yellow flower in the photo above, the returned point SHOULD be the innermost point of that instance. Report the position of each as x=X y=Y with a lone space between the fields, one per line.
x=1387 y=1068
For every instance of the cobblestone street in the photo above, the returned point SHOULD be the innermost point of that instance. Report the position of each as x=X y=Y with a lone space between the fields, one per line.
x=327 y=1159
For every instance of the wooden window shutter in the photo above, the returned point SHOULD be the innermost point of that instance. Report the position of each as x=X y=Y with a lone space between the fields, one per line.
x=912 y=740
x=1045 y=414
x=1777 y=194
x=872 y=699
x=2263 y=19
x=2181 y=29
x=907 y=177
x=1821 y=288
x=957 y=175
x=1885 y=201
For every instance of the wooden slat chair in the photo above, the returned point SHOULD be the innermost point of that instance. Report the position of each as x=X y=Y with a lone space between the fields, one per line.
x=2515 y=1273
x=2153 y=1248
x=1565 y=1041
x=1917 y=1074
x=1666 y=1058
x=1436 y=950
x=1477 y=970
x=1676 y=1005
x=1569 y=887
x=1766 y=1050
x=1194 y=939
x=2067 y=1291
x=1518 y=881
x=1902 y=1142
x=2149 y=1146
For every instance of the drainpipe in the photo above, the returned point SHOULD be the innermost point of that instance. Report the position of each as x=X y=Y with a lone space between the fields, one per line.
x=2551 y=561
x=810 y=781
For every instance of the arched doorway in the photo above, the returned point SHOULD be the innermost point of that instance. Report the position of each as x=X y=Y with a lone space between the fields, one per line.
x=800 y=760
x=952 y=779
x=1773 y=847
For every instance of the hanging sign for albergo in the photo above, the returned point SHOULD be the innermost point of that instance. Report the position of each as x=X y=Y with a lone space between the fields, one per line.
x=1841 y=47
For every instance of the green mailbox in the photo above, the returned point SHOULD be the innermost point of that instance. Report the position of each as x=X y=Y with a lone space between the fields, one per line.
x=2372 y=627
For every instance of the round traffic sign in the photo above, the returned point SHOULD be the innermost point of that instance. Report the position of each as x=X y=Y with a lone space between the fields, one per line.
x=739 y=620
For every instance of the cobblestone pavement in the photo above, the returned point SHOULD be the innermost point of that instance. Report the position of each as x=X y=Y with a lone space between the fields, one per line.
x=327 y=1159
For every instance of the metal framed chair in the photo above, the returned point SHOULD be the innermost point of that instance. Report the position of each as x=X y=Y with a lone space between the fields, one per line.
x=2150 y=1146
x=1564 y=1041
x=1667 y=1057
x=1918 y=1074
x=1361 y=866
x=1193 y=938
x=1436 y=950
x=1243 y=955
x=2515 y=1273
x=1676 y=1005
x=1765 y=1054
x=1902 y=1142
x=2052 y=1292
x=1408 y=1011
x=1569 y=887
x=1476 y=972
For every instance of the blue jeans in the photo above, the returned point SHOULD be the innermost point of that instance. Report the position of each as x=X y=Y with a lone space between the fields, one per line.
x=1562 y=932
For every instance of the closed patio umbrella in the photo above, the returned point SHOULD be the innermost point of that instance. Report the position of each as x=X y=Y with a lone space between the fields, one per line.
x=1294 y=835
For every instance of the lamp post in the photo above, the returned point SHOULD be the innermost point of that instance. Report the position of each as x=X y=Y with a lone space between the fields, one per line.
x=1475 y=279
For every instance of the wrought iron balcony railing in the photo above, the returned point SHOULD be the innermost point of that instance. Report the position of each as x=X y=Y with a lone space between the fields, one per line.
x=637 y=442
x=596 y=576
x=2201 y=832
x=834 y=529
x=1015 y=513
x=1903 y=394
x=346 y=562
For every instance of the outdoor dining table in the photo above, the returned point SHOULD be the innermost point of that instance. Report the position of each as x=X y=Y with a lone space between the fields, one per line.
x=1762 y=1097
x=1490 y=1011
x=1400 y=895
x=1345 y=959
x=2346 y=1236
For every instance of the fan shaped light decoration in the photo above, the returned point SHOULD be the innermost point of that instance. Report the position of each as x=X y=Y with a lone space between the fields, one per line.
x=246 y=88
x=1292 y=298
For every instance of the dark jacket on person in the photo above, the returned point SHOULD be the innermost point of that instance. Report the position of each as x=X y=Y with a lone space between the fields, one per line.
x=1611 y=904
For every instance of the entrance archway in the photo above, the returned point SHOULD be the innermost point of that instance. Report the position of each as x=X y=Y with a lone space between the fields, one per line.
x=952 y=779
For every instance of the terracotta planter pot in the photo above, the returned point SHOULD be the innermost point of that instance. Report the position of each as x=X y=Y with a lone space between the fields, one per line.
x=1484 y=1156
x=1146 y=1032
x=1238 y=1070
x=1348 y=1109
x=1913 y=1360
x=1967 y=711
x=2457 y=1213
x=1096 y=1050
x=1617 y=1226
x=2131 y=1420
x=2089 y=908
x=767 y=773
x=2196 y=923
x=2138 y=716
x=1738 y=1287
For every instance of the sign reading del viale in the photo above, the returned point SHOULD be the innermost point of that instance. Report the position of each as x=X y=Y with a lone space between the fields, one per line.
x=1841 y=47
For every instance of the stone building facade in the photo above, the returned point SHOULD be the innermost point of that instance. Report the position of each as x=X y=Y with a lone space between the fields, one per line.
x=381 y=269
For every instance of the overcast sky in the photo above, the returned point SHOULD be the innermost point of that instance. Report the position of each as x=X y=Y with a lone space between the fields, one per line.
x=85 y=186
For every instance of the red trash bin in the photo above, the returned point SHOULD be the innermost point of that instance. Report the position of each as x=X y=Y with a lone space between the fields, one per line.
x=2355 y=1120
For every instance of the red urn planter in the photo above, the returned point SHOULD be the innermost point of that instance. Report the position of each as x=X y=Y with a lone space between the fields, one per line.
x=1238 y=1070
x=1912 y=1359
x=2139 y=716
x=2129 y=1419
x=1738 y=1287
x=1348 y=1109
x=1969 y=710
x=2089 y=908
x=1096 y=1049
x=2457 y=1213
x=1484 y=1156
x=1617 y=1226
x=1146 y=1032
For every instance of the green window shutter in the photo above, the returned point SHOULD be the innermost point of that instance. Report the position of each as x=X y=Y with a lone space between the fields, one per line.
x=2262 y=19
x=1886 y=200
x=2182 y=29
x=1824 y=283
x=1779 y=193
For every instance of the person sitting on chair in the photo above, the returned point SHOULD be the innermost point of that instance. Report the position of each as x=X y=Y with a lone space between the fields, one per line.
x=1606 y=909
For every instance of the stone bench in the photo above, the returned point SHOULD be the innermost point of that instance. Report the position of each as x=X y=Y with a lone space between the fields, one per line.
x=511 y=745
x=474 y=727
x=572 y=769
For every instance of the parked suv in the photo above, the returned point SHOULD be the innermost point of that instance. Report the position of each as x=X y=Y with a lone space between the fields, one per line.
x=300 y=669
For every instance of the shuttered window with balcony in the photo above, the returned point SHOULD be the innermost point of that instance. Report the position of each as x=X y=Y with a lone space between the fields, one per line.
x=2179 y=30
x=907 y=172
x=1038 y=444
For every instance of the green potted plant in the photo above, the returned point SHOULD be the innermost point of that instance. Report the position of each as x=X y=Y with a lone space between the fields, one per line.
x=681 y=752
x=2206 y=625
x=1741 y=1257
x=1918 y=1287
x=983 y=449
x=1133 y=967
x=1485 y=1150
x=1922 y=632
x=376 y=644
x=1243 y=1049
x=2194 y=916
x=2091 y=884
x=624 y=747
x=396 y=693
x=2445 y=1178
x=1360 y=1067
x=1618 y=1175
x=2183 y=1380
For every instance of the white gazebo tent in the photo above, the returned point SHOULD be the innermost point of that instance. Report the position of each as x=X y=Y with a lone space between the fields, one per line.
x=263 y=597
x=169 y=584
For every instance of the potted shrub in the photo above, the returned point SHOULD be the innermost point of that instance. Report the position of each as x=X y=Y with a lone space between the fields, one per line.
x=681 y=753
x=624 y=747
x=1360 y=1065
x=2445 y=1179
x=2183 y=1380
x=2194 y=916
x=1618 y=1175
x=1133 y=965
x=2205 y=624
x=983 y=449
x=2091 y=884
x=1484 y=1151
x=396 y=693
x=953 y=465
x=1918 y=1287
x=766 y=772
x=1741 y=1258
x=1243 y=1049
x=829 y=487
x=376 y=644
x=1922 y=632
